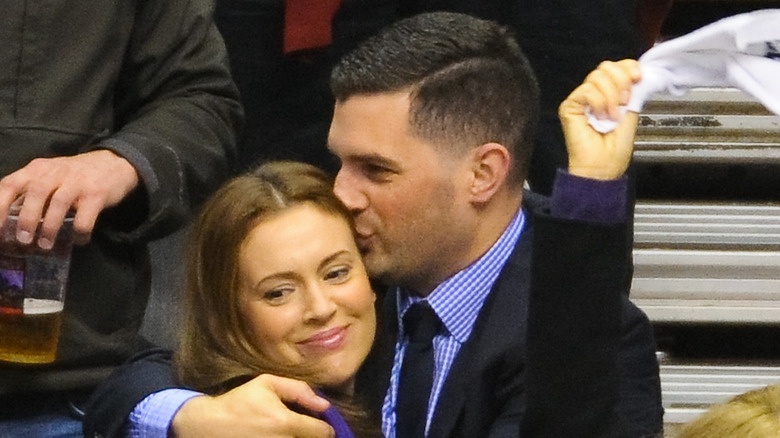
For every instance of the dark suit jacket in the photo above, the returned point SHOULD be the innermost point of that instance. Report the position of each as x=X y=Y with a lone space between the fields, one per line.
x=485 y=392
x=484 y=395
x=573 y=379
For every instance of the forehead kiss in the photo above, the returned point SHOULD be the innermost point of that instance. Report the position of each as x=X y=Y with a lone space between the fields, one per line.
x=401 y=189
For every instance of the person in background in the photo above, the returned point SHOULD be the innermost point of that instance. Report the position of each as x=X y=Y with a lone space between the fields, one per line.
x=754 y=414
x=433 y=125
x=280 y=58
x=125 y=114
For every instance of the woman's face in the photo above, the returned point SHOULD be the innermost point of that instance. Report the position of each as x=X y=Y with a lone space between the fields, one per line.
x=305 y=295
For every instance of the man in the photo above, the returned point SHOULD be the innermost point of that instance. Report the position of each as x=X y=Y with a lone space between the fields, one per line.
x=125 y=114
x=434 y=149
x=433 y=125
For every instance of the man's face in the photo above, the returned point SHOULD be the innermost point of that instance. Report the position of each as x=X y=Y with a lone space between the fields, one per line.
x=407 y=198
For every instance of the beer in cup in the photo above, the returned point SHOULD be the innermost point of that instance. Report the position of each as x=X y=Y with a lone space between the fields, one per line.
x=32 y=293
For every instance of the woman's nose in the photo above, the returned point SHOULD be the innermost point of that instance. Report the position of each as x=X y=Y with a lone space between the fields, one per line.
x=320 y=305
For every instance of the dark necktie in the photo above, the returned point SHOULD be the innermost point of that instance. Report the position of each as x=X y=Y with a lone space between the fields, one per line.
x=414 y=387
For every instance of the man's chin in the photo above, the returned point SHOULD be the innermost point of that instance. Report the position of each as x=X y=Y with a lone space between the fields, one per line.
x=376 y=265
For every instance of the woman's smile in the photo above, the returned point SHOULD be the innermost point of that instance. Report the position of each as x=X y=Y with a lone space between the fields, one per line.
x=325 y=341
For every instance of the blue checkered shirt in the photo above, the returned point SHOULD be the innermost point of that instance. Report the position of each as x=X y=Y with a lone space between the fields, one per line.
x=457 y=301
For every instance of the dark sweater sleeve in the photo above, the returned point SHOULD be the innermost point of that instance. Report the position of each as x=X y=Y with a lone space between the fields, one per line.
x=110 y=405
x=589 y=200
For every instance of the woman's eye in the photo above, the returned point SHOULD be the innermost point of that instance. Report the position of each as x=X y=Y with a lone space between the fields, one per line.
x=277 y=296
x=338 y=274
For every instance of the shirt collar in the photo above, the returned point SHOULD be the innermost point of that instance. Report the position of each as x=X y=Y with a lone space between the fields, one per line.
x=458 y=300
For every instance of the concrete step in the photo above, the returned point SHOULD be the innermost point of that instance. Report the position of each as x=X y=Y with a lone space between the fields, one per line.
x=707 y=262
x=690 y=389
x=707 y=125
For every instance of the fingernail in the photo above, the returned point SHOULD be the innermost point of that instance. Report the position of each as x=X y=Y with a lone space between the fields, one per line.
x=24 y=237
x=45 y=243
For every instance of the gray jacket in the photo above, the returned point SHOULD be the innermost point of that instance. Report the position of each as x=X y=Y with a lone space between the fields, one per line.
x=147 y=79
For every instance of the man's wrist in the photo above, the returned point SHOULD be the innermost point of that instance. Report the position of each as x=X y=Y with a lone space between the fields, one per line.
x=154 y=415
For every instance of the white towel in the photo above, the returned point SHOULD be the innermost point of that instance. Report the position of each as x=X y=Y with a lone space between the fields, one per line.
x=742 y=51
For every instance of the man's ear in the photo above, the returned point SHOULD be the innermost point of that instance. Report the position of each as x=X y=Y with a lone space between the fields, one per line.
x=490 y=168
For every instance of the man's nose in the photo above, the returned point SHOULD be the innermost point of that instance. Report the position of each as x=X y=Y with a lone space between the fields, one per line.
x=348 y=191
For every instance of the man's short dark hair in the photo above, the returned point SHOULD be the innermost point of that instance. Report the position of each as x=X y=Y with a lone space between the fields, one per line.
x=468 y=79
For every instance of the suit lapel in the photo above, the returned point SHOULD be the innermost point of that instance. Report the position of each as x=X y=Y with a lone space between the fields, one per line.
x=504 y=307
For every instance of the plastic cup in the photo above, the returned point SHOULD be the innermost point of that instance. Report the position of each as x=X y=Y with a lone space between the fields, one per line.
x=32 y=293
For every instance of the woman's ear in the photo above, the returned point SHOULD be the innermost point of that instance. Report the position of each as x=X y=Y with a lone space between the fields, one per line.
x=490 y=168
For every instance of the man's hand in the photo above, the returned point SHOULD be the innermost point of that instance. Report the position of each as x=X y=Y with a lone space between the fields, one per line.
x=591 y=153
x=50 y=187
x=254 y=409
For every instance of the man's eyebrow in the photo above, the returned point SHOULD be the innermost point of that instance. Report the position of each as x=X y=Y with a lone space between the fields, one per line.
x=368 y=157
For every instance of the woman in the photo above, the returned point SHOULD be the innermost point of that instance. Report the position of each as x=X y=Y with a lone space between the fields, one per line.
x=275 y=284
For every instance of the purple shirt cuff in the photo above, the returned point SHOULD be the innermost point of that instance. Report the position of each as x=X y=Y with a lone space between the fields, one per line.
x=337 y=422
x=152 y=417
x=589 y=200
